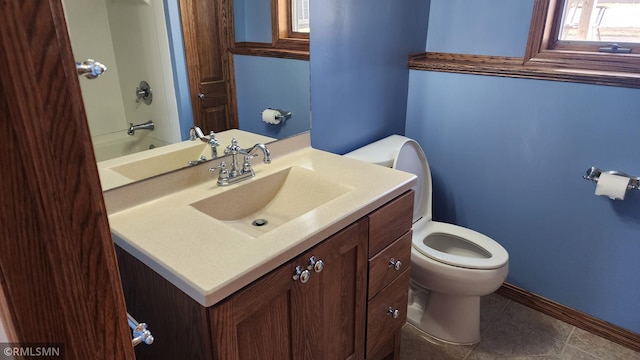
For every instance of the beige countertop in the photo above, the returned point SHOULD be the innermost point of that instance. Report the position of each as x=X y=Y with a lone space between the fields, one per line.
x=155 y=221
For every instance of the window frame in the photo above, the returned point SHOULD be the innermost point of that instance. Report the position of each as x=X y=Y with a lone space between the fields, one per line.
x=285 y=43
x=544 y=49
x=540 y=62
x=283 y=35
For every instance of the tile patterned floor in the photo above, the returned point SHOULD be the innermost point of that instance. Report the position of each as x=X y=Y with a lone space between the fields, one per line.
x=514 y=332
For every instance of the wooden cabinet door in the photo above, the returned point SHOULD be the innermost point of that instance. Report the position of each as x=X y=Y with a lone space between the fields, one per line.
x=59 y=282
x=206 y=29
x=335 y=301
x=260 y=321
x=277 y=317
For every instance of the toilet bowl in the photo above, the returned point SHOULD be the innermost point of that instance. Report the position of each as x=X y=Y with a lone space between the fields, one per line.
x=451 y=266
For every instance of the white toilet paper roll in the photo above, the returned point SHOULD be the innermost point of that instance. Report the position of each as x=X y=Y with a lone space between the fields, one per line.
x=270 y=116
x=613 y=186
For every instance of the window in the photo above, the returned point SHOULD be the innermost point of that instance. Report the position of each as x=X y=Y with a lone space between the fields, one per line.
x=289 y=32
x=569 y=40
x=292 y=23
x=598 y=35
x=613 y=22
x=300 y=16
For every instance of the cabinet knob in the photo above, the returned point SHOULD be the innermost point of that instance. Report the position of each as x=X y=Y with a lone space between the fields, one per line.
x=393 y=312
x=393 y=263
x=302 y=275
x=201 y=96
x=315 y=264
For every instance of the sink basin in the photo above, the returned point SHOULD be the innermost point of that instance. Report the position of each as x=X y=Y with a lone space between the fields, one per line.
x=162 y=163
x=262 y=204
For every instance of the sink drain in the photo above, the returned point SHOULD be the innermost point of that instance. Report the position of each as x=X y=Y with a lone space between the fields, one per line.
x=259 y=222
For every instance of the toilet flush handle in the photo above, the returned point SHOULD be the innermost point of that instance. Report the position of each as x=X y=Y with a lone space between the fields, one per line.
x=393 y=263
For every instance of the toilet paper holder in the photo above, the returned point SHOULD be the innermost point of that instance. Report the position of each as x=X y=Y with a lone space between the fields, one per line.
x=593 y=174
x=281 y=115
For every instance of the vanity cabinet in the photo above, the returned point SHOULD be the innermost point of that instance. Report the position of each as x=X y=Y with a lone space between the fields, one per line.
x=344 y=298
x=389 y=255
x=321 y=315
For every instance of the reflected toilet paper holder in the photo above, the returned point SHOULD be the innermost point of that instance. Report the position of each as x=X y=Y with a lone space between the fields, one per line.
x=593 y=174
x=281 y=115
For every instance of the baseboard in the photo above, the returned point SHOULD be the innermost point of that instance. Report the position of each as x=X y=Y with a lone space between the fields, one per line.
x=576 y=318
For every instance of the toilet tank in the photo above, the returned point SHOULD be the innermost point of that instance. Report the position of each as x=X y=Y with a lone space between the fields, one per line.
x=404 y=154
x=382 y=152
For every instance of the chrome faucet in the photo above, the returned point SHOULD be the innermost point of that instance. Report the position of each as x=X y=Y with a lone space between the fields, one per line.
x=145 y=126
x=238 y=172
x=196 y=133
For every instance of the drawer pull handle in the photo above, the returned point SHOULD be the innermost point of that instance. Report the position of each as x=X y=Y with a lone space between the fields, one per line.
x=393 y=263
x=302 y=275
x=395 y=313
x=315 y=264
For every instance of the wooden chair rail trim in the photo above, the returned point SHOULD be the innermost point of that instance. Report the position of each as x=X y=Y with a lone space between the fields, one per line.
x=551 y=68
x=571 y=316
x=266 y=49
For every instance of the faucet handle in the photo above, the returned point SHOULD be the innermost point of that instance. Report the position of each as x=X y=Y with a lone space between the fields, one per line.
x=224 y=173
x=212 y=139
x=234 y=148
x=246 y=165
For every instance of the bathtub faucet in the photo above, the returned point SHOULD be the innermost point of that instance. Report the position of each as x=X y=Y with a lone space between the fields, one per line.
x=196 y=133
x=146 y=126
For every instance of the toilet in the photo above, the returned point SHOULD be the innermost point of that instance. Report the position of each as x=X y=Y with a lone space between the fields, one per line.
x=451 y=266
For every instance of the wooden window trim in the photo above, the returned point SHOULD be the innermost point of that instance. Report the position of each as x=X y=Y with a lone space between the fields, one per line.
x=543 y=59
x=281 y=18
x=284 y=44
x=544 y=50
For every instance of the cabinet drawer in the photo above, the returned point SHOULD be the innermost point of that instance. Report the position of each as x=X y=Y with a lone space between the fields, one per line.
x=381 y=325
x=390 y=222
x=381 y=268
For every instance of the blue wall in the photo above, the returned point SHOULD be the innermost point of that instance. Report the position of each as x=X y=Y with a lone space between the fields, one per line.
x=263 y=82
x=179 y=64
x=252 y=20
x=359 y=68
x=508 y=155
x=488 y=27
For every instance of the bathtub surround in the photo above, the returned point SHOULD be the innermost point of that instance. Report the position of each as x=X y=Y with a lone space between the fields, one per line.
x=119 y=144
x=110 y=101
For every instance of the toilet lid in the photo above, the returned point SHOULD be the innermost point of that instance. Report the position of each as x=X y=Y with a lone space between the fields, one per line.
x=411 y=158
x=459 y=246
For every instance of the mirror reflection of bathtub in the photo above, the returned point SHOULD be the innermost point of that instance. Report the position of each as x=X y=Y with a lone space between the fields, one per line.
x=120 y=144
x=141 y=40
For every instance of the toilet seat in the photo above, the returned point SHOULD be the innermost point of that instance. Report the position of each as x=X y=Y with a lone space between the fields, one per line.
x=478 y=251
x=451 y=266
x=405 y=154
x=411 y=158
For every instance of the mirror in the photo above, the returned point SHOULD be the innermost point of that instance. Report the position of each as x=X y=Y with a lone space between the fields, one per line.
x=141 y=40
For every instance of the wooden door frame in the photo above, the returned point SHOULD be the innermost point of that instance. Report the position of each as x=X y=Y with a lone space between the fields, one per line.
x=59 y=278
